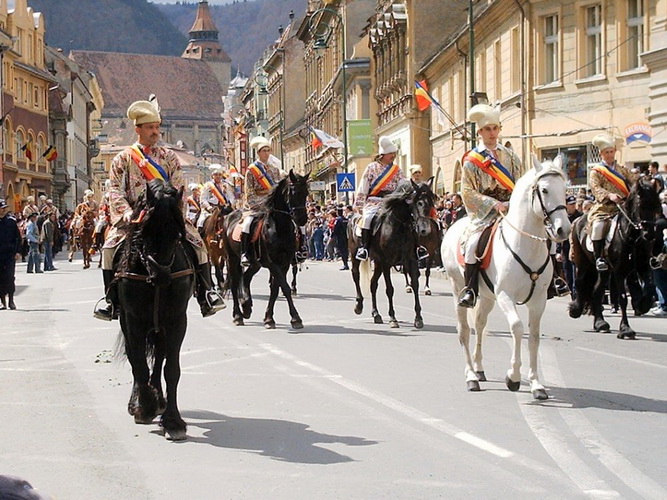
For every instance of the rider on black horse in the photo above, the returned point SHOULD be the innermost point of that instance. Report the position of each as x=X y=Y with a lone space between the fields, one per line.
x=130 y=170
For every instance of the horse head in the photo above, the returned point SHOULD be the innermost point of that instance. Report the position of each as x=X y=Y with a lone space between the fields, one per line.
x=548 y=197
x=642 y=206
x=423 y=206
x=298 y=193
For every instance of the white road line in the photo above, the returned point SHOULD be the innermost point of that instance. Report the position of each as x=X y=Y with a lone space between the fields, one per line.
x=224 y=361
x=596 y=444
x=624 y=358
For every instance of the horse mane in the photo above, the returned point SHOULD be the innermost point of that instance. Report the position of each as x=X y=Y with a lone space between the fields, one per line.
x=278 y=191
x=395 y=200
x=637 y=196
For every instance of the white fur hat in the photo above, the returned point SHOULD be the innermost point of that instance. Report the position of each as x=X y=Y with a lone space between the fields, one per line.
x=483 y=115
x=603 y=141
x=415 y=168
x=259 y=142
x=143 y=112
x=88 y=192
x=193 y=186
x=386 y=146
x=215 y=168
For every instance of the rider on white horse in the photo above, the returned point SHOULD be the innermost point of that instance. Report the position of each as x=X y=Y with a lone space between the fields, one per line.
x=610 y=184
x=488 y=177
x=380 y=178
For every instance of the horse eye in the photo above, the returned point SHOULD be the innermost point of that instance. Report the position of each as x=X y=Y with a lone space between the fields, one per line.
x=544 y=191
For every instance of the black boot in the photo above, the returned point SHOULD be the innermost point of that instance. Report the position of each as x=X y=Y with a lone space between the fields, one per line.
x=246 y=250
x=4 y=302
x=109 y=312
x=468 y=297
x=598 y=250
x=362 y=251
x=11 y=301
x=210 y=301
x=558 y=287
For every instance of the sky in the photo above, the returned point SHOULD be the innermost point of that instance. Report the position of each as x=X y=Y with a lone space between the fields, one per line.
x=210 y=2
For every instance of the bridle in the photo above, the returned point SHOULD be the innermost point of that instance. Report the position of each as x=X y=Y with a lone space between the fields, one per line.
x=548 y=223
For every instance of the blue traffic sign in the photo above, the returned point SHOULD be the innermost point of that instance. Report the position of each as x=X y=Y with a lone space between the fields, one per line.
x=345 y=182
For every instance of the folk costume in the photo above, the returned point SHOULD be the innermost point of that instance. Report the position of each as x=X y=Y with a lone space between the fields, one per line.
x=30 y=208
x=214 y=195
x=193 y=204
x=604 y=180
x=380 y=178
x=259 y=179
x=488 y=178
x=130 y=170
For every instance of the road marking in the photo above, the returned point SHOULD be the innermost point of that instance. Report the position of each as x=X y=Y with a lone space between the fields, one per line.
x=223 y=361
x=624 y=358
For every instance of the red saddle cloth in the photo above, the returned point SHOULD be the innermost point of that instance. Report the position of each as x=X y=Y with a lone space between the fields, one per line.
x=484 y=248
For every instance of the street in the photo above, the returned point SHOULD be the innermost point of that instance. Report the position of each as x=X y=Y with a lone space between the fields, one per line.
x=341 y=409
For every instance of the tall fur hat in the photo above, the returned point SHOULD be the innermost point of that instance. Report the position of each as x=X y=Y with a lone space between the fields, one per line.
x=483 y=115
x=144 y=112
x=216 y=168
x=259 y=142
x=386 y=146
x=603 y=141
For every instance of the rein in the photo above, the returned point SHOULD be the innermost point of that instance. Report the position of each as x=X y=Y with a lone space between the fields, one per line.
x=638 y=227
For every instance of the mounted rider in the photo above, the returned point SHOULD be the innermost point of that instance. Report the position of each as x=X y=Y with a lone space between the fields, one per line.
x=217 y=193
x=489 y=171
x=260 y=177
x=610 y=184
x=88 y=204
x=193 y=203
x=103 y=217
x=380 y=178
x=130 y=170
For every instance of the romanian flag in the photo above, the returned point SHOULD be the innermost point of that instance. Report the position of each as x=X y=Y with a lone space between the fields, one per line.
x=424 y=99
x=28 y=150
x=315 y=141
x=50 y=154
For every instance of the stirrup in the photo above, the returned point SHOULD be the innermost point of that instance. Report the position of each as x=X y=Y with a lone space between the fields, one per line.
x=562 y=289
x=362 y=254
x=422 y=252
x=215 y=301
x=245 y=261
x=98 y=314
x=601 y=264
x=466 y=303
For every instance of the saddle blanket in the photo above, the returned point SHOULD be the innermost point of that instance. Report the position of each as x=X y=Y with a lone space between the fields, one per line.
x=255 y=230
x=484 y=249
x=610 y=234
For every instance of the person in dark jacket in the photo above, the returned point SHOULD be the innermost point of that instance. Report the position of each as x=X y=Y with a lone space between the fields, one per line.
x=10 y=245
x=340 y=238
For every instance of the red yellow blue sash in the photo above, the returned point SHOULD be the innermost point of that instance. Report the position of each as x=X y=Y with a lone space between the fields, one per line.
x=148 y=166
x=261 y=175
x=614 y=177
x=382 y=180
x=491 y=166
x=193 y=202
x=218 y=193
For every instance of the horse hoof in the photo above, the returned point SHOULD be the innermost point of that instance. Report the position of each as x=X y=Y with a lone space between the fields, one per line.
x=601 y=326
x=626 y=335
x=473 y=385
x=70 y=259
x=247 y=313
x=393 y=324
x=270 y=325
x=377 y=319
x=540 y=394
x=297 y=325
x=419 y=323
x=408 y=289
x=481 y=376
x=140 y=419
x=512 y=386
x=427 y=292
x=238 y=321
x=574 y=310
x=175 y=435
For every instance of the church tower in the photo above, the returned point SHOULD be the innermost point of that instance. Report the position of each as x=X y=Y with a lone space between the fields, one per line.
x=204 y=45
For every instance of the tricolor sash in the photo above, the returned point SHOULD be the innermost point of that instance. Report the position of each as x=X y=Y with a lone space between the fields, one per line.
x=218 y=194
x=382 y=180
x=148 y=166
x=193 y=202
x=491 y=166
x=260 y=174
x=614 y=177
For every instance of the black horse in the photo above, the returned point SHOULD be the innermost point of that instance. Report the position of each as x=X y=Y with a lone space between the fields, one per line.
x=393 y=242
x=429 y=239
x=274 y=248
x=155 y=282
x=629 y=251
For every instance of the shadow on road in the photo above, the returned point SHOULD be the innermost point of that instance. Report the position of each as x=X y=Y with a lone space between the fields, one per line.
x=341 y=330
x=605 y=400
x=278 y=439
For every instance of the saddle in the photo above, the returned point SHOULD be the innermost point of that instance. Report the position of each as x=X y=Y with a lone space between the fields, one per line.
x=484 y=249
x=255 y=230
x=613 y=224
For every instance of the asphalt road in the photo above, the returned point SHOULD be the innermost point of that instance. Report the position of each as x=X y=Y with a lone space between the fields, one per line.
x=341 y=409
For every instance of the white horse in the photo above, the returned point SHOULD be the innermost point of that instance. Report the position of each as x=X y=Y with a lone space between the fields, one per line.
x=520 y=270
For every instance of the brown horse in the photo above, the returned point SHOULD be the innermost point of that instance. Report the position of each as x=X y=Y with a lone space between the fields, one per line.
x=82 y=237
x=212 y=236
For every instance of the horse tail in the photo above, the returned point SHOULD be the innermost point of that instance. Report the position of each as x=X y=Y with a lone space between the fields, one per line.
x=365 y=273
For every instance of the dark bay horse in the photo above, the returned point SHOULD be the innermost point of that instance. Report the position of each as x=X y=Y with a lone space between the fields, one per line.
x=429 y=234
x=393 y=242
x=155 y=282
x=212 y=236
x=274 y=248
x=629 y=250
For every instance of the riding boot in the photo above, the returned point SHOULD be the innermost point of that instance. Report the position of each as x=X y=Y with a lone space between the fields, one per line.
x=10 y=298
x=210 y=301
x=362 y=251
x=246 y=250
x=468 y=297
x=558 y=287
x=109 y=312
x=598 y=250
x=4 y=302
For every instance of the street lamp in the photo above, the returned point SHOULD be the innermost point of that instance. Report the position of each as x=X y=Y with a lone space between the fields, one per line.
x=320 y=45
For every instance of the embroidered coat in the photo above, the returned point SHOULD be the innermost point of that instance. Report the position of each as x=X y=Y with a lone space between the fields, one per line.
x=373 y=171
x=208 y=199
x=481 y=192
x=254 y=194
x=86 y=206
x=601 y=187
x=127 y=183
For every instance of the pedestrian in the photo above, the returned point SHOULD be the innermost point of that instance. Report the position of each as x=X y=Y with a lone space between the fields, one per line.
x=32 y=237
x=659 y=265
x=340 y=238
x=30 y=207
x=563 y=249
x=48 y=239
x=318 y=241
x=10 y=246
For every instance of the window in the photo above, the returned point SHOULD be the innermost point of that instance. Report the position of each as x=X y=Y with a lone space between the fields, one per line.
x=551 y=49
x=634 y=33
x=593 y=41
x=515 y=50
x=497 y=70
x=19 y=139
x=480 y=72
x=575 y=159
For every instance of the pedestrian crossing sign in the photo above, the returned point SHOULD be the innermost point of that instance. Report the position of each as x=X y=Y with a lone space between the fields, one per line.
x=345 y=182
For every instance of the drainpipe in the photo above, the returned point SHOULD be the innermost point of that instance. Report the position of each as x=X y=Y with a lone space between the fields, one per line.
x=524 y=113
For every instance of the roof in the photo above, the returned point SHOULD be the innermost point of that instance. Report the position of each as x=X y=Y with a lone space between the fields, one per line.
x=185 y=88
x=203 y=21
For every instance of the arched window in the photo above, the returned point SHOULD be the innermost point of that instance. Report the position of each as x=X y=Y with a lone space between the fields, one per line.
x=7 y=146
x=39 y=150
x=19 y=141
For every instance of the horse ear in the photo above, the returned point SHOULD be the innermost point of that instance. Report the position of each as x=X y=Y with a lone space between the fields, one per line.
x=292 y=177
x=430 y=182
x=558 y=162
x=179 y=194
x=536 y=163
x=150 y=196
